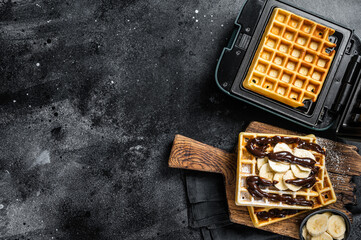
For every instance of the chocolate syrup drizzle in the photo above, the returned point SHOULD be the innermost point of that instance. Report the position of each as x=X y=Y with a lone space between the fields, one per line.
x=305 y=182
x=290 y=158
x=275 y=213
x=254 y=189
x=257 y=146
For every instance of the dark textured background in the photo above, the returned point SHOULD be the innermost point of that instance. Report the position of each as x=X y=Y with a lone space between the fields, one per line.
x=91 y=96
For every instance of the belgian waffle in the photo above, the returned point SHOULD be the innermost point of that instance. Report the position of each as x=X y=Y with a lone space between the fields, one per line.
x=326 y=196
x=292 y=60
x=247 y=166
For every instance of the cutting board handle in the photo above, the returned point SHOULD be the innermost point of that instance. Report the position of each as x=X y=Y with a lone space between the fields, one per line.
x=187 y=153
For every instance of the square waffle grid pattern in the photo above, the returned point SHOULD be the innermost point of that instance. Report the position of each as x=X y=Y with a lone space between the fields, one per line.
x=326 y=196
x=247 y=166
x=292 y=60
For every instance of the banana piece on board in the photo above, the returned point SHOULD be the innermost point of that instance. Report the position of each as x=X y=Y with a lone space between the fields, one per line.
x=279 y=178
x=289 y=175
x=261 y=161
x=266 y=172
x=336 y=226
x=317 y=224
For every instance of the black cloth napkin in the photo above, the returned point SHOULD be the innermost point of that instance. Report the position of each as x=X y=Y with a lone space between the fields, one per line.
x=208 y=209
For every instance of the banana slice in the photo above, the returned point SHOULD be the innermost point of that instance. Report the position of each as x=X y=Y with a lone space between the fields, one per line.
x=304 y=232
x=317 y=224
x=261 y=161
x=323 y=236
x=279 y=178
x=298 y=172
x=302 y=153
x=340 y=238
x=266 y=172
x=336 y=226
x=282 y=147
x=289 y=175
x=279 y=166
x=302 y=168
x=328 y=214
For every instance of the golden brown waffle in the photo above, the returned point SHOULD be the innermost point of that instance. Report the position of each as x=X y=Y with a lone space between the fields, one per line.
x=292 y=60
x=326 y=196
x=260 y=222
x=247 y=166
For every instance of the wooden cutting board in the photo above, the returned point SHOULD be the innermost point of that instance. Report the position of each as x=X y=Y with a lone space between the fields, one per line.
x=342 y=162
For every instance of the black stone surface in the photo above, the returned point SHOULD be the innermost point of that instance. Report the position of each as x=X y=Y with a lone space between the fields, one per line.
x=91 y=96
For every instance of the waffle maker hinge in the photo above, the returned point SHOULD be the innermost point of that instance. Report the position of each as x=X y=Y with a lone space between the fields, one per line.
x=249 y=16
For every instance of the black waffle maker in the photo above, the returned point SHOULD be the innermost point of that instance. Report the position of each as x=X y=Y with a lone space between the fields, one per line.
x=339 y=102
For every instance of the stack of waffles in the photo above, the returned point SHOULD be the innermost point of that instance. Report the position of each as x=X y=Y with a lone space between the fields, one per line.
x=294 y=170
x=292 y=60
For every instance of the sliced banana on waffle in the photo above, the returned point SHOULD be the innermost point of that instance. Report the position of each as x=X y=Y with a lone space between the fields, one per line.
x=289 y=175
x=301 y=171
x=279 y=178
x=261 y=161
x=303 y=153
x=282 y=147
x=280 y=171
x=280 y=167
x=336 y=226
x=266 y=172
x=298 y=172
x=317 y=224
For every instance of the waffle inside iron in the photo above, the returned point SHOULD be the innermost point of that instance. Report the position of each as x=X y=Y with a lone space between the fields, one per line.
x=292 y=59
